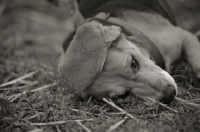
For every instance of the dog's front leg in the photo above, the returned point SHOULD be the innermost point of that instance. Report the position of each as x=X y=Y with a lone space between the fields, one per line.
x=191 y=50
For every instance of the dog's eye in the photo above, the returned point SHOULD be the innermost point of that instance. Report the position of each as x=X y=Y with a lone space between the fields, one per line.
x=134 y=64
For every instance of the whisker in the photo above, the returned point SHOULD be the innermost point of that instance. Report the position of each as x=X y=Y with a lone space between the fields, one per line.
x=179 y=71
x=184 y=77
x=170 y=68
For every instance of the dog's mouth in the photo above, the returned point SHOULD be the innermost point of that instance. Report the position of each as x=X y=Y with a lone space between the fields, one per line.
x=165 y=97
x=149 y=99
x=149 y=95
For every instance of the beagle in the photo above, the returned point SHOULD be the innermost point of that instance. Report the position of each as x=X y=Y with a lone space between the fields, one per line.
x=122 y=50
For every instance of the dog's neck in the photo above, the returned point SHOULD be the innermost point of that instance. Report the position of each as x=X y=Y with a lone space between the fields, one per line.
x=132 y=34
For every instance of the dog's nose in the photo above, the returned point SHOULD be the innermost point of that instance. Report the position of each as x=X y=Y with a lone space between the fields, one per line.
x=169 y=94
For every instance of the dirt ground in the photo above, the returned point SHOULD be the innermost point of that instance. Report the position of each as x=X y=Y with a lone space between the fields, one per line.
x=31 y=36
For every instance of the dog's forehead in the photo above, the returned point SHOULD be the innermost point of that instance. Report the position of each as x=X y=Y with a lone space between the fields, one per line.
x=126 y=44
x=128 y=47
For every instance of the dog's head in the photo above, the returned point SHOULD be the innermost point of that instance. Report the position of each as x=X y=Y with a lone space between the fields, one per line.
x=102 y=63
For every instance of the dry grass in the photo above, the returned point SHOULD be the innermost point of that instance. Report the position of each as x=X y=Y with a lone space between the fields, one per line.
x=38 y=106
x=44 y=107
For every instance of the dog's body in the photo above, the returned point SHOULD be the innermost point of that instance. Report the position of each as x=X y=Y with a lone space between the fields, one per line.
x=129 y=67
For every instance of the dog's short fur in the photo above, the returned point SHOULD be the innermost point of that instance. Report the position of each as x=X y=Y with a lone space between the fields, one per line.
x=127 y=66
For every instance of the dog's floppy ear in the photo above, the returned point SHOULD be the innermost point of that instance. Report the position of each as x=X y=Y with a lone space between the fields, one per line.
x=85 y=56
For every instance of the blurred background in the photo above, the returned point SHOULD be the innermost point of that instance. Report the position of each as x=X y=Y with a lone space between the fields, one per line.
x=31 y=37
x=35 y=29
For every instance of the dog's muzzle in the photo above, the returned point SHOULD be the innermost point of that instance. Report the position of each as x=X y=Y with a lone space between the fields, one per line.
x=171 y=91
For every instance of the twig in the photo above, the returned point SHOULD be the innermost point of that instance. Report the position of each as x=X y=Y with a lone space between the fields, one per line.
x=58 y=129
x=37 y=130
x=28 y=118
x=57 y=122
x=43 y=87
x=163 y=105
x=84 y=127
x=89 y=100
x=14 y=97
x=24 y=82
x=118 y=108
x=114 y=127
x=187 y=102
x=119 y=113
x=195 y=100
x=19 y=79
x=18 y=88
x=194 y=89
x=81 y=111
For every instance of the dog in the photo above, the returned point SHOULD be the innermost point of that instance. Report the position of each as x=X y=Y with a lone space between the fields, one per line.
x=122 y=48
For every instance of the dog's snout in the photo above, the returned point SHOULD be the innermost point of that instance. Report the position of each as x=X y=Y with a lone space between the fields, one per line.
x=169 y=94
x=170 y=81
